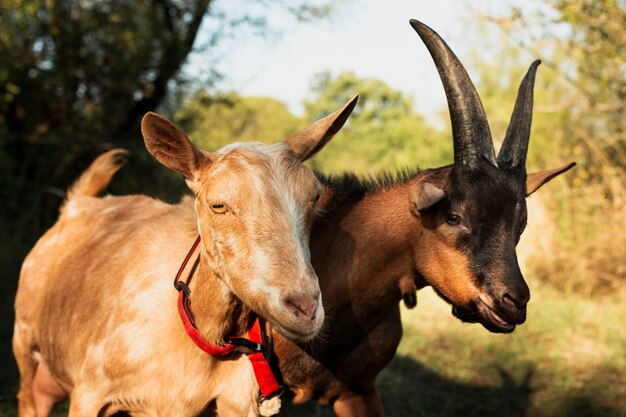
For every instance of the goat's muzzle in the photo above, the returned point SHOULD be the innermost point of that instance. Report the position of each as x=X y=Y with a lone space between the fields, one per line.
x=497 y=317
x=299 y=316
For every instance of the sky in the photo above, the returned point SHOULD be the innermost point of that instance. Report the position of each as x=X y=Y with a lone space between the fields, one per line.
x=372 y=38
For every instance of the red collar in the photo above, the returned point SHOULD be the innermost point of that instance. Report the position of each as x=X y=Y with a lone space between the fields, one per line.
x=253 y=347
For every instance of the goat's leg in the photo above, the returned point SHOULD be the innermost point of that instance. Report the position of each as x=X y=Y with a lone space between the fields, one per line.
x=238 y=392
x=27 y=367
x=46 y=391
x=39 y=392
x=229 y=408
x=26 y=403
x=367 y=404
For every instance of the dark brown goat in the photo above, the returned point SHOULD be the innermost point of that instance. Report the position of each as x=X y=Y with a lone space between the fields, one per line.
x=454 y=228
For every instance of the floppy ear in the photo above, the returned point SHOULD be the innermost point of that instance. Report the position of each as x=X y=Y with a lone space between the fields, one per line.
x=537 y=179
x=424 y=196
x=170 y=146
x=312 y=138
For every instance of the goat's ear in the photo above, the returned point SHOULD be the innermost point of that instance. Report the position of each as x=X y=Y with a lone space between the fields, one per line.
x=170 y=146
x=537 y=179
x=312 y=138
x=424 y=196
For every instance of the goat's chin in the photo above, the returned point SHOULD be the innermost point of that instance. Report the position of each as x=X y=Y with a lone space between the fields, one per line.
x=294 y=336
x=298 y=332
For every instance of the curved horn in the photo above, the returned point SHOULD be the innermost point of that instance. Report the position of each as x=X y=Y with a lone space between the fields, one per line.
x=470 y=129
x=515 y=145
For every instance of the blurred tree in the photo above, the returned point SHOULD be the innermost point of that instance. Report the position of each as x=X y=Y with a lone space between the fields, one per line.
x=76 y=77
x=214 y=121
x=76 y=71
x=383 y=133
x=580 y=115
x=583 y=45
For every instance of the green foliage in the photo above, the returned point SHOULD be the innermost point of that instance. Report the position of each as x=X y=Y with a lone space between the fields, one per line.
x=76 y=78
x=582 y=85
x=383 y=133
x=76 y=71
x=214 y=121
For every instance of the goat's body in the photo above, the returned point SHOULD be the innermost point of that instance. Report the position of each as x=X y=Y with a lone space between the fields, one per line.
x=105 y=327
x=360 y=250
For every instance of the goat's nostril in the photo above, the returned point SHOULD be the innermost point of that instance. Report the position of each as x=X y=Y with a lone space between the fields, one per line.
x=303 y=305
x=512 y=301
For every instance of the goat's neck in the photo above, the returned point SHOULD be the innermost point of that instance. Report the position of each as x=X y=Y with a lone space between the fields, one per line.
x=362 y=253
x=218 y=312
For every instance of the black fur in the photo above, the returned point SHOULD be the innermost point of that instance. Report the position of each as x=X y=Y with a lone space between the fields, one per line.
x=348 y=188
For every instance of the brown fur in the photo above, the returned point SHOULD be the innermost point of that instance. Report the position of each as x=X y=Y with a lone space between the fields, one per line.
x=365 y=246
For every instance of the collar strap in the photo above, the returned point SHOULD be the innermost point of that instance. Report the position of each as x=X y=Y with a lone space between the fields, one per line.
x=253 y=347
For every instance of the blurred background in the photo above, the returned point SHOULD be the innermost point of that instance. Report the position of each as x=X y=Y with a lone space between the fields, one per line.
x=77 y=75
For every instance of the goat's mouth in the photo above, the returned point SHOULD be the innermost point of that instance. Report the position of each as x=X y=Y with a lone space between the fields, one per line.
x=297 y=334
x=480 y=312
x=292 y=334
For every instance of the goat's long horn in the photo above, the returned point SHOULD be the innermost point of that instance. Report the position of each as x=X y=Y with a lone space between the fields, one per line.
x=470 y=129
x=515 y=146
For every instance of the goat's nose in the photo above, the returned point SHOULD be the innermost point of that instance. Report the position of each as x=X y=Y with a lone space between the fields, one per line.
x=299 y=305
x=517 y=296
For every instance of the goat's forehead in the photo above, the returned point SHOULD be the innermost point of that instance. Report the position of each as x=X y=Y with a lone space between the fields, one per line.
x=253 y=149
x=259 y=169
x=491 y=194
x=255 y=158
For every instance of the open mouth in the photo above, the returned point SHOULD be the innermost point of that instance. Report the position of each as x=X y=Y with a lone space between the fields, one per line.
x=502 y=325
x=485 y=315
x=496 y=323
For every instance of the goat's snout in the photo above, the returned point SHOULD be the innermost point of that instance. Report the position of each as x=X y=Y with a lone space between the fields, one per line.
x=517 y=294
x=514 y=303
x=300 y=306
x=514 y=311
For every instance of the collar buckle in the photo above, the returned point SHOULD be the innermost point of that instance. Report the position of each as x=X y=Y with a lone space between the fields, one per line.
x=244 y=345
x=181 y=286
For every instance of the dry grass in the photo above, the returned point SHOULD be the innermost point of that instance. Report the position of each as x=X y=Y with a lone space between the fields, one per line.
x=583 y=240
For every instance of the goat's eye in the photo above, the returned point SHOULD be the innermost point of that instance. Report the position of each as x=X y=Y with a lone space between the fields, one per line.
x=453 y=219
x=219 y=208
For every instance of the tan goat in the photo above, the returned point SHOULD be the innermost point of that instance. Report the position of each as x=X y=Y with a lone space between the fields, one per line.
x=96 y=313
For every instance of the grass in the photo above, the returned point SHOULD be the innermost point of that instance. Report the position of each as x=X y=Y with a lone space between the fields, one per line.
x=569 y=359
